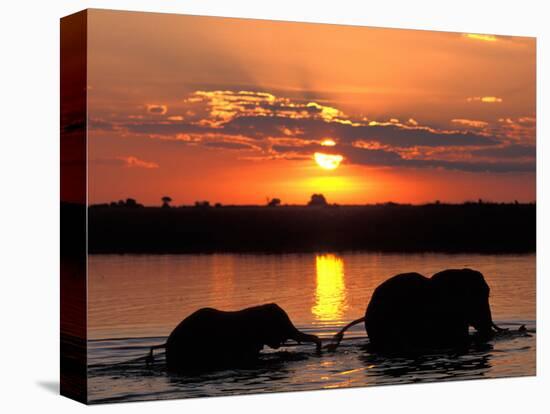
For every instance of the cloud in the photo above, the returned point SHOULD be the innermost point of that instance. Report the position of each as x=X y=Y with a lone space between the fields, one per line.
x=482 y=37
x=227 y=145
x=134 y=162
x=212 y=140
x=509 y=151
x=260 y=115
x=101 y=125
x=225 y=106
x=270 y=126
x=485 y=99
x=527 y=120
x=519 y=130
x=385 y=158
x=125 y=161
x=384 y=133
x=156 y=109
x=470 y=123
x=505 y=130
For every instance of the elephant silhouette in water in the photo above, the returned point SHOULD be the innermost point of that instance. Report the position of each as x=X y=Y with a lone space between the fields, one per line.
x=410 y=312
x=211 y=339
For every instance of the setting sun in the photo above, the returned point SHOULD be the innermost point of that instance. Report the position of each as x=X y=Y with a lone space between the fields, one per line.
x=328 y=161
x=410 y=133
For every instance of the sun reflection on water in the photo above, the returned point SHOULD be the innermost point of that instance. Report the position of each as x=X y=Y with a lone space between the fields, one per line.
x=330 y=292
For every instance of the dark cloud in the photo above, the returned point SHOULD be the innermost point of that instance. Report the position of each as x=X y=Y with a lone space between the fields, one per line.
x=393 y=135
x=227 y=118
x=401 y=137
x=100 y=125
x=261 y=115
x=510 y=151
x=378 y=157
x=258 y=116
x=264 y=127
x=227 y=145
x=167 y=128
x=388 y=158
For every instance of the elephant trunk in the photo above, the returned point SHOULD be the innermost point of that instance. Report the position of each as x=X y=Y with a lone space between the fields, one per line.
x=498 y=328
x=303 y=337
x=486 y=325
x=493 y=324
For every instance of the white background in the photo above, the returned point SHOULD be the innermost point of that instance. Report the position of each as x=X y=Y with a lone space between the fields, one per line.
x=29 y=192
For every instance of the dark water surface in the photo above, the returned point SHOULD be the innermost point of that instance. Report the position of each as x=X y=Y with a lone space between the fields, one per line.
x=135 y=301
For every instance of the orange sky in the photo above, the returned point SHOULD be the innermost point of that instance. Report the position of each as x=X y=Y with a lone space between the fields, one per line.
x=232 y=111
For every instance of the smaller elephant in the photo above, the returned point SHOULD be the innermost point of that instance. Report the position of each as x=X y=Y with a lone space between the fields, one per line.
x=410 y=312
x=211 y=339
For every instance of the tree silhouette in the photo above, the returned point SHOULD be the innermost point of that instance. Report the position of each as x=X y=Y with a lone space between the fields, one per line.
x=317 y=200
x=274 y=202
x=166 y=201
x=202 y=204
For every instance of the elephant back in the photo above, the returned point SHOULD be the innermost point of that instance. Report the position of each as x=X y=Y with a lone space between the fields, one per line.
x=460 y=281
x=397 y=314
x=198 y=330
x=211 y=338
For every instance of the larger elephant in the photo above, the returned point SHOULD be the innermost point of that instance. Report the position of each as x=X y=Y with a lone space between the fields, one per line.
x=410 y=312
x=211 y=339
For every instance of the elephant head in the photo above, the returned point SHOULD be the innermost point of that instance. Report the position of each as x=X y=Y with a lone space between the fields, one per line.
x=275 y=327
x=465 y=294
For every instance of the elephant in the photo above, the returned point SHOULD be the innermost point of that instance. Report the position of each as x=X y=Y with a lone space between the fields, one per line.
x=410 y=312
x=210 y=339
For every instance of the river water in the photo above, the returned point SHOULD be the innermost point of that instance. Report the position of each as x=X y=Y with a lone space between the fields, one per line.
x=134 y=301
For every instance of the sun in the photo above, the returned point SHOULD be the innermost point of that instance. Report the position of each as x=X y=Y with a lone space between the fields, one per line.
x=327 y=161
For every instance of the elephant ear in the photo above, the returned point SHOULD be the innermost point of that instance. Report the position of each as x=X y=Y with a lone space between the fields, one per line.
x=271 y=325
x=282 y=323
x=460 y=294
x=452 y=291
